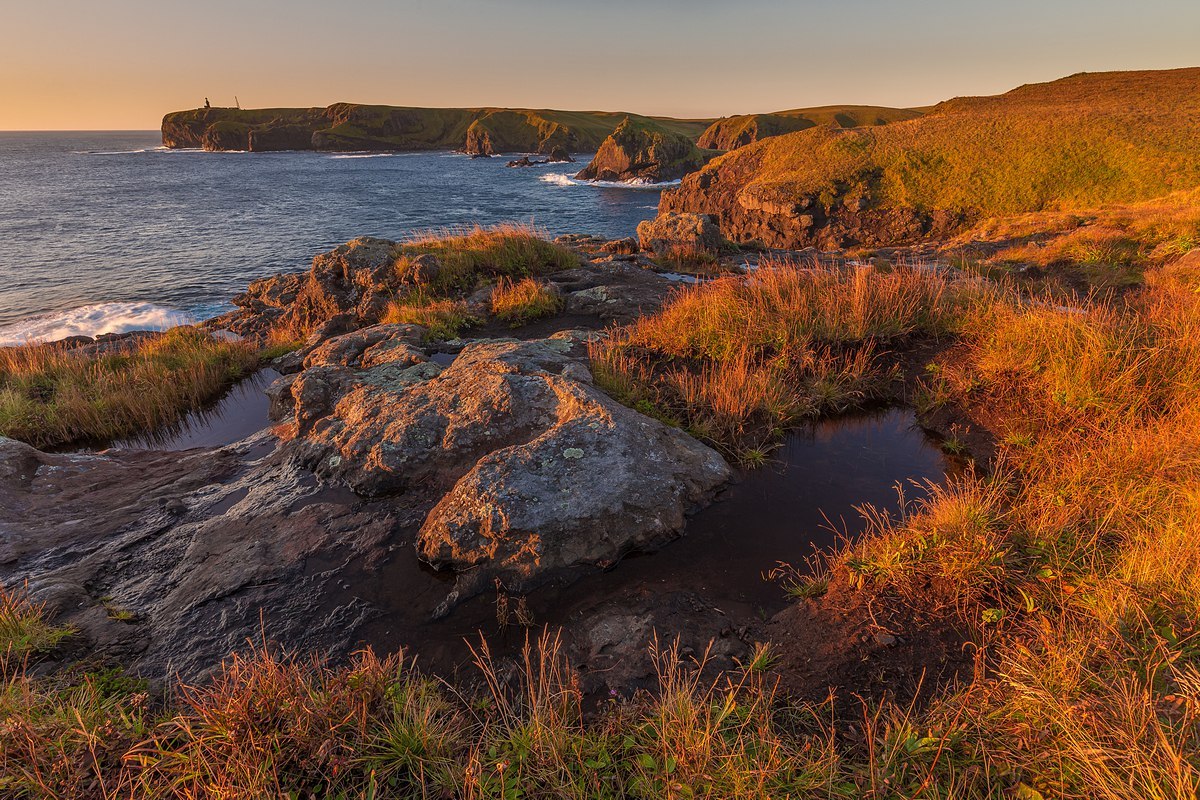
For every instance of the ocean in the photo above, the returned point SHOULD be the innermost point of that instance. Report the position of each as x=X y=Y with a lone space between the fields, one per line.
x=108 y=231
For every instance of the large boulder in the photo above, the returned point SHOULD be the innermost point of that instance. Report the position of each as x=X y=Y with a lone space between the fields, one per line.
x=639 y=150
x=676 y=231
x=530 y=470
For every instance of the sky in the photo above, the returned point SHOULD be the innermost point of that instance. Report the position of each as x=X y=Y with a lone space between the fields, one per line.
x=122 y=64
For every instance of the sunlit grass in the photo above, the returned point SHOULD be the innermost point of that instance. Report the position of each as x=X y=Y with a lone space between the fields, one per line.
x=736 y=358
x=523 y=301
x=53 y=395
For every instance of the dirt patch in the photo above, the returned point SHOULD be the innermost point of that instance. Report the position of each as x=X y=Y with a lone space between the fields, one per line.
x=863 y=644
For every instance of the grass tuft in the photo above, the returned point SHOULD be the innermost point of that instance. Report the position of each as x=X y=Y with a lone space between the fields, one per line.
x=524 y=301
x=51 y=395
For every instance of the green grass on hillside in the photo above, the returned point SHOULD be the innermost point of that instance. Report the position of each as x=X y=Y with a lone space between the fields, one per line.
x=352 y=125
x=737 y=131
x=1077 y=142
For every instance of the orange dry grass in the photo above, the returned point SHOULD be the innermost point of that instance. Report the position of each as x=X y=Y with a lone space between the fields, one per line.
x=270 y=726
x=523 y=301
x=735 y=355
x=1157 y=230
x=1079 y=560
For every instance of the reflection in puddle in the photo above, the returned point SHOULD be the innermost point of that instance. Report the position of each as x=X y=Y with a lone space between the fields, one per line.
x=784 y=511
x=800 y=503
x=242 y=411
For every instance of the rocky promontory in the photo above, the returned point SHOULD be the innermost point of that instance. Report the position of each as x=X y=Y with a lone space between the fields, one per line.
x=495 y=460
x=644 y=151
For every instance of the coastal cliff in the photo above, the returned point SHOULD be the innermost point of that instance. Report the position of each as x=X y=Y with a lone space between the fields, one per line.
x=351 y=126
x=1079 y=142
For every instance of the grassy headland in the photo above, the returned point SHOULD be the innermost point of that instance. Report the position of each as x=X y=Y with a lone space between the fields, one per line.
x=351 y=126
x=730 y=133
x=1076 y=143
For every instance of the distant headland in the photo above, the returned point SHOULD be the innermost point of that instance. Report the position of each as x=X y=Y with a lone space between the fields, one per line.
x=630 y=146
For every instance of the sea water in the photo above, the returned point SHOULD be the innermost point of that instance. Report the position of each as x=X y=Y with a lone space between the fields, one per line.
x=109 y=231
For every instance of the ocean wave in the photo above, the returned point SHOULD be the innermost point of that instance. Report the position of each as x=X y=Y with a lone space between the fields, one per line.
x=565 y=179
x=93 y=320
x=363 y=155
x=118 y=152
x=194 y=150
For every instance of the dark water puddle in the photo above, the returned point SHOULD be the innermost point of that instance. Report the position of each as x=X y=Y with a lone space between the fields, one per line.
x=801 y=503
x=240 y=412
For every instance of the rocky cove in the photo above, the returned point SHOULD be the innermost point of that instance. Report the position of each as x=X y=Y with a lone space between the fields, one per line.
x=376 y=487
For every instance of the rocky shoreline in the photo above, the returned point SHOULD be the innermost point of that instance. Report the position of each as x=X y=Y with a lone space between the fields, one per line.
x=450 y=474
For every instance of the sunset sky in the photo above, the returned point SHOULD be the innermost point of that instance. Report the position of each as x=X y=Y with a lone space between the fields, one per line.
x=70 y=64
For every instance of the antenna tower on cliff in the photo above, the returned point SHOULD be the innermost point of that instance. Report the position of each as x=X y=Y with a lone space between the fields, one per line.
x=236 y=103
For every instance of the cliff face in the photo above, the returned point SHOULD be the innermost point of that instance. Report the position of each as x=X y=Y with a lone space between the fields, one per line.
x=1077 y=143
x=747 y=213
x=523 y=132
x=236 y=129
x=643 y=151
x=731 y=133
x=350 y=126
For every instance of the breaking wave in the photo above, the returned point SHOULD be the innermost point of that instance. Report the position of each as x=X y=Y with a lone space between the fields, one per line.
x=93 y=320
x=119 y=152
x=565 y=179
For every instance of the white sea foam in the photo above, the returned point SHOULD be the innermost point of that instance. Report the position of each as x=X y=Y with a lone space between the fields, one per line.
x=565 y=179
x=118 y=152
x=92 y=320
x=363 y=155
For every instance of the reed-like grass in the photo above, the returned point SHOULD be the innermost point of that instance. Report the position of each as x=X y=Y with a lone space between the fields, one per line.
x=737 y=358
x=52 y=395
x=523 y=301
x=1078 y=559
x=470 y=255
x=442 y=318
